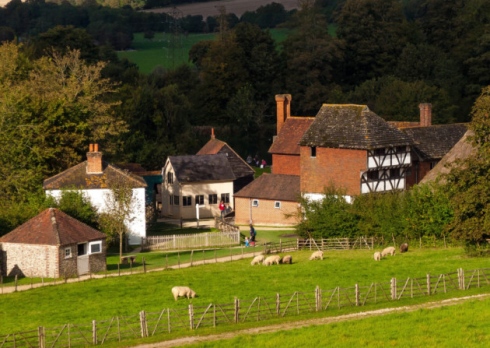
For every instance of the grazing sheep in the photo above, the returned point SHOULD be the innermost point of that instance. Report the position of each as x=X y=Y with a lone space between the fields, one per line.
x=270 y=260
x=404 y=248
x=388 y=251
x=183 y=291
x=287 y=259
x=317 y=255
x=257 y=260
x=377 y=256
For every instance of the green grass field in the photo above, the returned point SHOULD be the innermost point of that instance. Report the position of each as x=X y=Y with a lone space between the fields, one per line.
x=461 y=325
x=220 y=283
x=169 y=52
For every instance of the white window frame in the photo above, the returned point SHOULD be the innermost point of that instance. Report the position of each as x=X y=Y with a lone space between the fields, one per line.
x=277 y=205
x=255 y=202
x=68 y=253
x=99 y=243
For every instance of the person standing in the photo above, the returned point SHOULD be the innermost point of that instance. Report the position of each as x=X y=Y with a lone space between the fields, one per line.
x=222 y=209
x=252 y=233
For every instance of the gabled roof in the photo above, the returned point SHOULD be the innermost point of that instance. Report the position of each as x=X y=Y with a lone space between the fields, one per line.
x=77 y=177
x=433 y=142
x=352 y=127
x=238 y=165
x=273 y=187
x=52 y=227
x=196 y=168
x=287 y=141
x=462 y=150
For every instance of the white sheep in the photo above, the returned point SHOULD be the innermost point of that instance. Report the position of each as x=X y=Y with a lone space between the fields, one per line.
x=388 y=251
x=317 y=255
x=257 y=260
x=287 y=259
x=270 y=260
x=377 y=256
x=183 y=291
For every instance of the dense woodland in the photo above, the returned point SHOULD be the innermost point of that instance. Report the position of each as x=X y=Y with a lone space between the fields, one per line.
x=62 y=85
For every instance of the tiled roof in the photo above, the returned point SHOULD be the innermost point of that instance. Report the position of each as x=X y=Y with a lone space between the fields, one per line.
x=433 y=142
x=287 y=141
x=196 y=168
x=273 y=187
x=238 y=165
x=52 y=227
x=352 y=127
x=77 y=177
x=462 y=150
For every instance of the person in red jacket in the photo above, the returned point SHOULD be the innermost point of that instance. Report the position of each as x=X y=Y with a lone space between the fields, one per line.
x=222 y=209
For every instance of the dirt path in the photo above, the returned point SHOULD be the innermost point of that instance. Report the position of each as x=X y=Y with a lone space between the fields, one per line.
x=304 y=323
x=237 y=7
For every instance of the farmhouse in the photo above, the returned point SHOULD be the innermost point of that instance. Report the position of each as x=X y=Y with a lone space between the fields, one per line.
x=52 y=244
x=195 y=184
x=244 y=174
x=94 y=178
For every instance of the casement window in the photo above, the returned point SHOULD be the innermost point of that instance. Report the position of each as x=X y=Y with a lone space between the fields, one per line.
x=186 y=201
x=374 y=175
x=170 y=178
x=95 y=247
x=225 y=197
x=313 y=151
x=199 y=199
x=255 y=202
x=68 y=253
x=176 y=200
x=395 y=173
x=213 y=199
x=277 y=205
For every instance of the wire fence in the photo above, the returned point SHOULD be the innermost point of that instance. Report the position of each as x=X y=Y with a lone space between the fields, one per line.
x=146 y=324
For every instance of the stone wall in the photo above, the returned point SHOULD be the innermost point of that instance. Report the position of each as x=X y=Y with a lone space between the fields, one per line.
x=30 y=260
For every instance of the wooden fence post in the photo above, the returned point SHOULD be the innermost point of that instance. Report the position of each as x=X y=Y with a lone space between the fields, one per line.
x=178 y=257
x=280 y=245
x=318 y=299
x=237 y=310
x=94 y=332
x=118 y=269
x=215 y=259
x=166 y=260
x=192 y=254
x=357 y=294
x=16 y=282
x=41 y=337
x=143 y=324
x=278 y=304
x=231 y=256
x=461 y=279
x=393 y=288
x=191 y=316
x=428 y=285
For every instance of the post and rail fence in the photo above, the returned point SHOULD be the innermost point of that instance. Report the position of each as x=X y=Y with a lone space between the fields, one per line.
x=146 y=324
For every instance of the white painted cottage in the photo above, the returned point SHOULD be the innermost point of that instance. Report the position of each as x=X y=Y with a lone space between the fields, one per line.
x=92 y=177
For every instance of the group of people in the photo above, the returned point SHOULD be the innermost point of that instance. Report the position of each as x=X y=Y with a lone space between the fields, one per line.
x=251 y=241
x=255 y=161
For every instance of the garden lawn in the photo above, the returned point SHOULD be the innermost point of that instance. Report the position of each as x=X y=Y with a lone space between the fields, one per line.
x=460 y=325
x=100 y=299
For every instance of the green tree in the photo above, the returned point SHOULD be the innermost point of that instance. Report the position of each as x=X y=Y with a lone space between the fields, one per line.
x=468 y=182
x=50 y=109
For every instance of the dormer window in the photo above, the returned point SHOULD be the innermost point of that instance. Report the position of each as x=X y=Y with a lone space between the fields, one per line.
x=313 y=151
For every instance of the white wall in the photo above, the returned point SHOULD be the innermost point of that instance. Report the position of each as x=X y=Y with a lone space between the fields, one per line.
x=136 y=223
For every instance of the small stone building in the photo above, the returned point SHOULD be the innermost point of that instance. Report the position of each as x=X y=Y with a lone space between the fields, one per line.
x=52 y=245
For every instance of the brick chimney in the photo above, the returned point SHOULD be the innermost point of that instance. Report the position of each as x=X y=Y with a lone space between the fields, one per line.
x=425 y=114
x=212 y=133
x=283 y=104
x=94 y=159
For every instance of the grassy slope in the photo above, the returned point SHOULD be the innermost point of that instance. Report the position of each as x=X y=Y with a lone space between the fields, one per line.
x=216 y=283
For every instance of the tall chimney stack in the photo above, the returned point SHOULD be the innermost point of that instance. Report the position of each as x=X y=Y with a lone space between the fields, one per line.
x=94 y=159
x=283 y=104
x=212 y=133
x=425 y=114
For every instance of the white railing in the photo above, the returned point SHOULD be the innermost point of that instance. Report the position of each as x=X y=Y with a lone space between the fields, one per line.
x=190 y=241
